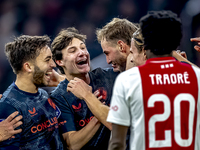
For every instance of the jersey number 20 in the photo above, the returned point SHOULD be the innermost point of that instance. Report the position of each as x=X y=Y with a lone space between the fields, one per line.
x=153 y=143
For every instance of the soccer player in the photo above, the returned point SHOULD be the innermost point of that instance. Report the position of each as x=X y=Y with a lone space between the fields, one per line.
x=31 y=60
x=81 y=129
x=115 y=40
x=7 y=126
x=160 y=99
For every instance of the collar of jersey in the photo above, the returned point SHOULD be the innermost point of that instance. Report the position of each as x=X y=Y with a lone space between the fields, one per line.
x=161 y=60
x=27 y=93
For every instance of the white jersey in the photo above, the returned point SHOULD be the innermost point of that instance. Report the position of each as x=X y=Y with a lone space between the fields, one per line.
x=161 y=104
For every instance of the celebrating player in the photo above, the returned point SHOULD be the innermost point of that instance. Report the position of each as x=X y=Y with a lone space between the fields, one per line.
x=31 y=60
x=159 y=100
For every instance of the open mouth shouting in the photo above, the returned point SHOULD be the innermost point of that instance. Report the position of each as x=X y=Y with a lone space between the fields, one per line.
x=82 y=62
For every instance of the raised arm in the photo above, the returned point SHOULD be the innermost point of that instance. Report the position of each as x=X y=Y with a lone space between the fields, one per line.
x=80 y=89
x=77 y=139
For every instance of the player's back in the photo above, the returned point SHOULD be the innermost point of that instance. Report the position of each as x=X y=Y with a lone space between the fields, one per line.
x=170 y=92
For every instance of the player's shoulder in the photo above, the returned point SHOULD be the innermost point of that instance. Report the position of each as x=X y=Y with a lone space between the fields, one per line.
x=10 y=93
x=60 y=89
x=133 y=72
x=196 y=69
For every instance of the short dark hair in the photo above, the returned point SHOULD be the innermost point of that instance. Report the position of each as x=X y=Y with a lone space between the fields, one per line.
x=161 y=31
x=62 y=40
x=24 y=48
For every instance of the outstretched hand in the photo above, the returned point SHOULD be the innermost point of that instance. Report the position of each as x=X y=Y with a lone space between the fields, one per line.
x=196 y=47
x=7 y=126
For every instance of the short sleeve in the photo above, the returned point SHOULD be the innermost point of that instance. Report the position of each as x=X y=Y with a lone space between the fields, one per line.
x=119 y=108
x=66 y=119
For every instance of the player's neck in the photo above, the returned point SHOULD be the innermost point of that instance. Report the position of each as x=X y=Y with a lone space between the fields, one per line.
x=152 y=55
x=25 y=84
x=84 y=77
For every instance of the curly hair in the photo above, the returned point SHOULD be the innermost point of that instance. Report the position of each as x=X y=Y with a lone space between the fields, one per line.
x=24 y=48
x=117 y=29
x=62 y=40
x=161 y=31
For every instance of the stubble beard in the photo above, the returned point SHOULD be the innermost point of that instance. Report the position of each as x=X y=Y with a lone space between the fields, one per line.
x=38 y=77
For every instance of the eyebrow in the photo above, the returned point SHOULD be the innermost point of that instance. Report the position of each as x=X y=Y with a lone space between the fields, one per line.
x=75 y=46
x=48 y=57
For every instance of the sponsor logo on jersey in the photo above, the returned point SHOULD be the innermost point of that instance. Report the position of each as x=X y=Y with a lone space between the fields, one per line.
x=53 y=122
x=33 y=113
x=115 y=108
x=84 y=122
x=58 y=112
x=77 y=107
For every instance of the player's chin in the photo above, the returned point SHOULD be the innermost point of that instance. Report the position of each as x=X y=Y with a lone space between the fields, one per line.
x=46 y=81
x=116 y=69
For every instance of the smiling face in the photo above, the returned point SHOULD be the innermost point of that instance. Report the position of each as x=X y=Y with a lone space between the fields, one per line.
x=43 y=67
x=114 y=56
x=75 y=58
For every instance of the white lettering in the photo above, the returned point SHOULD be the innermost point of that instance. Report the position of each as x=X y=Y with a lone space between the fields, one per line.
x=158 y=79
x=152 y=79
x=179 y=78
x=173 y=78
x=166 y=78
x=186 y=77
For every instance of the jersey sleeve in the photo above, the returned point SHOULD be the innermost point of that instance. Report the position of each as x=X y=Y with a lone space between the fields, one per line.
x=12 y=143
x=119 y=108
x=66 y=119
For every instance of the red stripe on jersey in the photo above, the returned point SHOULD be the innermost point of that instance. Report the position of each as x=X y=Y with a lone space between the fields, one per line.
x=170 y=93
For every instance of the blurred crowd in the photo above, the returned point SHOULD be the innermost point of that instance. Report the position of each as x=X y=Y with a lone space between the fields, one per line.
x=39 y=17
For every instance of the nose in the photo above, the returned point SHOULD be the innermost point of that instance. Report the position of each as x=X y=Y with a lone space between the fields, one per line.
x=83 y=52
x=108 y=60
x=52 y=63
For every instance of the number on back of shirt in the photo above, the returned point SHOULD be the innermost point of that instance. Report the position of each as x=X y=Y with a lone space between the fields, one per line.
x=176 y=112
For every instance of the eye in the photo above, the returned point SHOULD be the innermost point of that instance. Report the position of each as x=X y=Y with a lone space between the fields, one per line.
x=47 y=60
x=106 y=53
x=72 y=50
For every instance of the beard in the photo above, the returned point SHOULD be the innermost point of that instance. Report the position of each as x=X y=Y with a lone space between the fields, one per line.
x=38 y=77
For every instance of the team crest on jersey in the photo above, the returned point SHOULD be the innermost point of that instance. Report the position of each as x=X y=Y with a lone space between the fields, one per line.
x=2 y=120
x=58 y=112
x=103 y=93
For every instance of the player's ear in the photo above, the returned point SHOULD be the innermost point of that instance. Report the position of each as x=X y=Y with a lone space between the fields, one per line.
x=144 y=53
x=121 y=46
x=28 y=67
x=60 y=63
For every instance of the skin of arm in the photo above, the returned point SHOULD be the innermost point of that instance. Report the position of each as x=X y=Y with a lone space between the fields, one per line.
x=77 y=139
x=181 y=58
x=118 y=137
x=7 y=126
x=80 y=89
